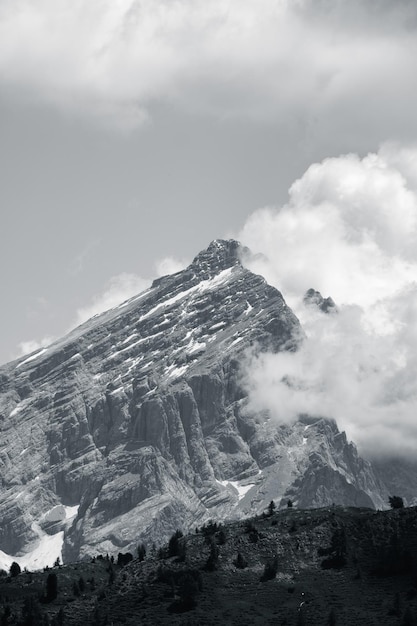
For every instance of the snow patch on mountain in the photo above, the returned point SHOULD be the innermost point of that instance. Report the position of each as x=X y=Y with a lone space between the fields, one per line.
x=237 y=486
x=48 y=548
x=31 y=358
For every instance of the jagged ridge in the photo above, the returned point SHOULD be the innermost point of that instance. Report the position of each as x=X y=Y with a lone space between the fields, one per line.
x=138 y=417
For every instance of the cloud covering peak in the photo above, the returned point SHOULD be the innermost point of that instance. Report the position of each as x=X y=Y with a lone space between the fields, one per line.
x=350 y=231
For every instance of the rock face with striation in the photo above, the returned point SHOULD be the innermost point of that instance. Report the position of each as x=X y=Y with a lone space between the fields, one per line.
x=136 y=423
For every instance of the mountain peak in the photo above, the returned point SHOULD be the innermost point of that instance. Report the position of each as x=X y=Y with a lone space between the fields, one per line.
x=220 y=255
x=314 y=298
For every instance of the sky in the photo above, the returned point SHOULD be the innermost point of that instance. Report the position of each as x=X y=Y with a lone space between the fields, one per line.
x=134 y=132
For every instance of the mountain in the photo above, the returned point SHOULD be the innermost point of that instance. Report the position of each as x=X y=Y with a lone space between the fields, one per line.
x=137 y=422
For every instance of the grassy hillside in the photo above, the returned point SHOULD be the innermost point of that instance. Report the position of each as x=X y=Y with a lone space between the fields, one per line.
x=327 y=566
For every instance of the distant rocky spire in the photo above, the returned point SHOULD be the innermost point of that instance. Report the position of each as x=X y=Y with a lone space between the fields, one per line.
x=314 y=298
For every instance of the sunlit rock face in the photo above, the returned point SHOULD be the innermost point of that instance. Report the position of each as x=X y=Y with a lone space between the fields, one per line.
x=137 y=422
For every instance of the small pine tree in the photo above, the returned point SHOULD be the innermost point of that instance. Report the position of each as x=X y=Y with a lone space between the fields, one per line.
x=221 y=537
x=289 y=504
x=213 y=558
x=51 y=587
x=182 y=552
x=271 y=508
x=240 y=562
x=174 y=543
x=141 y=552
x=270 y=570
x=396 y=502
x=124 y=558
x=14 y=569
x=250 y=526
x=111 y=576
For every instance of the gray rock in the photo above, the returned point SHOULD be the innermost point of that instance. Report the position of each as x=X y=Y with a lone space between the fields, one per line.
x=314 y=298
x=139 y=418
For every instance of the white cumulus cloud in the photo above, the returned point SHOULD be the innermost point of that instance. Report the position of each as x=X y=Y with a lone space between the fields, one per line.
x=350 y=231
x=120 y=288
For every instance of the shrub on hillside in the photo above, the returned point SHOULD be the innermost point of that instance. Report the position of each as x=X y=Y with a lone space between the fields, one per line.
x=14 y=569
x=211 y=528
x=250 y=526
x=396 y=502
x=189 y=584
x=270 y=569
x=141 y=552
x=240 y=562
x=174 y=543
x=124 y=558
x=51 y=587
x=213 y=558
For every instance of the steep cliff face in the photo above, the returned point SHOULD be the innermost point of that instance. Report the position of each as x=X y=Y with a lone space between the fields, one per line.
x=136 y=423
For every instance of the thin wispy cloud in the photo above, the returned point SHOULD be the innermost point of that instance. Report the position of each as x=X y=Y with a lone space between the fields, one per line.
x=78 y=263
x=31 y=345
x=119 y=288
x=124 y=286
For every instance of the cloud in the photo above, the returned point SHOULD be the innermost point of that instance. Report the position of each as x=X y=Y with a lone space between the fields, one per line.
x=170 y=265
x=78 y=263
x=125 y=286
x=349 y=230
x=305 y=62
x=26 y=347
x=119 y=288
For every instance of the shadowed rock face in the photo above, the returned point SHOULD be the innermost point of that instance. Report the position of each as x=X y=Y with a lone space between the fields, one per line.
x=139 y=418
x=314 y=298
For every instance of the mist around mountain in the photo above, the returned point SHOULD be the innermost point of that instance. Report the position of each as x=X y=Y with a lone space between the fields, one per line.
x=140 y=421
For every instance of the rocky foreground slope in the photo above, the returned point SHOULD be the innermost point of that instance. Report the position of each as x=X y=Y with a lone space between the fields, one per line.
x=136 y=423
x=337 y=565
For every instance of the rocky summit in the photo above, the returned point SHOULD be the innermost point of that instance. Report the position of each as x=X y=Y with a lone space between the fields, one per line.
x=137 y=422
